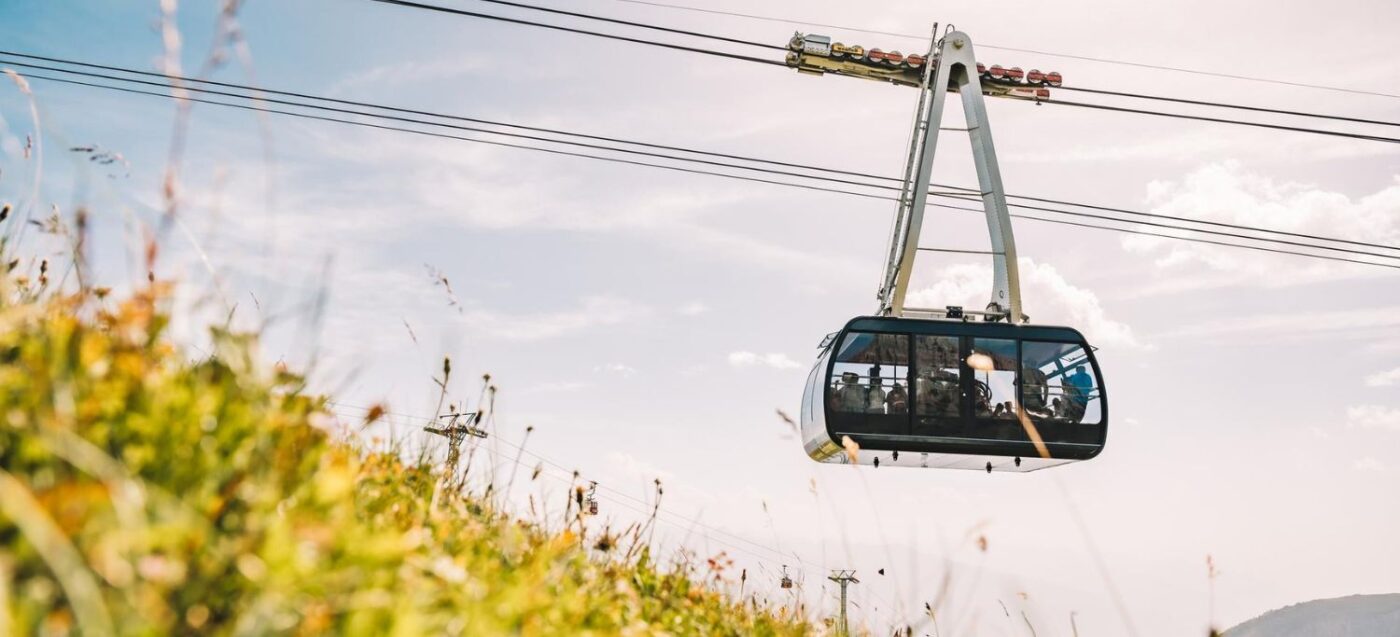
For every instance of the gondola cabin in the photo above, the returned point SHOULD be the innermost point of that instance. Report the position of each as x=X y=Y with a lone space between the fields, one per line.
x=954 y=394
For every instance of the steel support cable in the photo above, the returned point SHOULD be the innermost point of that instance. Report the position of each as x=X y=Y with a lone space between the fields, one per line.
x=680 y=169
x=1258 y=109
x=469 y=129
x=1219 y=120
x=488 y=16
x=759 y=558
x=1159 y=67
x=1232 y=235
x=552 y=464
x=1240 y=107
x=700 y=161
x=602 y=487
x=1169 y=236
x=1298 y=129
x=465 y=139
x=1153 y=215
x=643 y=25
x=1220 y=224
x=258 y=91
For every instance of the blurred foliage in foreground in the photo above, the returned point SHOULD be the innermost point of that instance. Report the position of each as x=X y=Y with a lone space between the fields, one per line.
x=141 y=493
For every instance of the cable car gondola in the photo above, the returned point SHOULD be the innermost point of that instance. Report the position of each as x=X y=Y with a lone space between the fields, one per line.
x=949 y=388
x=954 y=394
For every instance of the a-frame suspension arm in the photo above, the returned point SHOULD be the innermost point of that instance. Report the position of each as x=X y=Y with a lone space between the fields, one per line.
x=955 y=59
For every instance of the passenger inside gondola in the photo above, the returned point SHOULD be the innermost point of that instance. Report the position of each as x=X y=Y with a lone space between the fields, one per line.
x=850 y=394
x=1077 y=388
x=875 y=397
x=1035 y=393
x=1058 y=389
x=867 y=395
x=898 y=400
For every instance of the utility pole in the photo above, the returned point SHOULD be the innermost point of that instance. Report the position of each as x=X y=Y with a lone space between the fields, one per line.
x=843 y=578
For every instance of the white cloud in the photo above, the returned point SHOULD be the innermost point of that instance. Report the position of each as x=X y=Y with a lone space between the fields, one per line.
x=693 y=308
x=628 y=466
x=1049 y=299
x=616 y=368
x=1174 y=148
x=595 y=311
x=750 y=359
x=1363 y=323
x=480 y=187
x=1369 y=465
x=1224 y=192
x=411 y=73
x=1373 y=417
x=1384 y=379
x=558 y=387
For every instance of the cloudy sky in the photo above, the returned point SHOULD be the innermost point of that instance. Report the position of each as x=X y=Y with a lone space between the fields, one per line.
x=647 y=323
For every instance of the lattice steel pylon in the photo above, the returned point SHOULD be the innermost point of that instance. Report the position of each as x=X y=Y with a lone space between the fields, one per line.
x=459 y=428
x=843 y=578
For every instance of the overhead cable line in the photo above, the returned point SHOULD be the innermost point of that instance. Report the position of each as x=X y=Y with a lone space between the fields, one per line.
x=964 y=193
x=1220 y=120
x=721 y=174
x=1141 y=65
x=260 y=91
x=1219 y=224
x=689 y=150
x=469 y=129
x=603 y=487
x=1240 y=107
x=1260 y=109
x=643 y=25
x=1153 y=224
x=1169 y=236
x=610 y=36
x=474 y=14
x=457 y=137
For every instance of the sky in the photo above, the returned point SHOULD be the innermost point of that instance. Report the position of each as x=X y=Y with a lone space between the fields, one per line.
x=648 y=324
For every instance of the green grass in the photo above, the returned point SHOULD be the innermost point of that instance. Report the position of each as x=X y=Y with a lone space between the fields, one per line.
x=145 y=494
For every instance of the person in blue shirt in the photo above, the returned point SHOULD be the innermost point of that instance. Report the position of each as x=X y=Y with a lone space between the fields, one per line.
x=1078 y=386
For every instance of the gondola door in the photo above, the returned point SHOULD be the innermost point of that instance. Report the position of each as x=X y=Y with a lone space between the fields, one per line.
x=942 y=386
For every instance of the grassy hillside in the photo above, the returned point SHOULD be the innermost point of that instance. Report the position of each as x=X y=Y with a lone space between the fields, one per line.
x=142 y=493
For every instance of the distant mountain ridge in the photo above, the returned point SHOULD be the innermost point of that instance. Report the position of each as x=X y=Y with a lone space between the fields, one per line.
x=1352 y=616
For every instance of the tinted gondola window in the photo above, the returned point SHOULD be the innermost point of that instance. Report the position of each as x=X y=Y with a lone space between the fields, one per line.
x=993 y=364
x=1060 y=385
x=938 y=380
x=870 y=377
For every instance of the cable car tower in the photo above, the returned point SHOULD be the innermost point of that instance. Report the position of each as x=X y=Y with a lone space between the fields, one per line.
x=460 y=426
x=590 y=502
x=937 y=387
